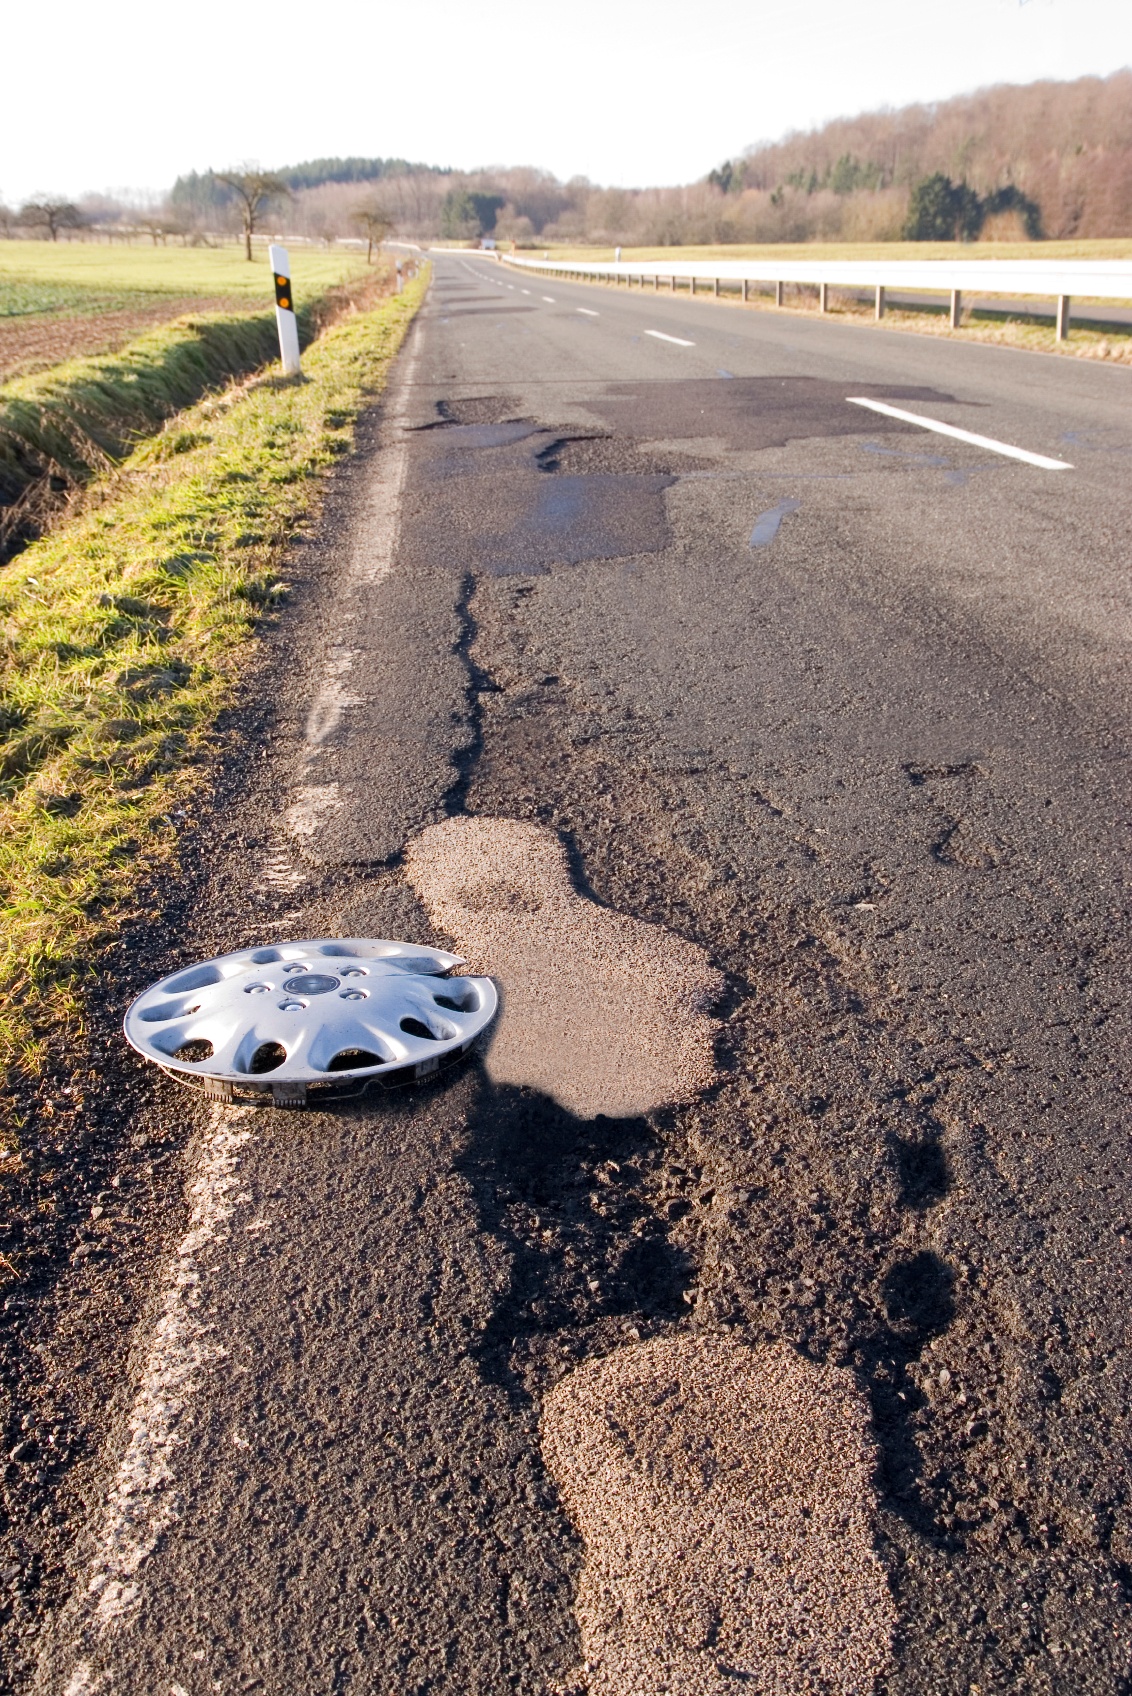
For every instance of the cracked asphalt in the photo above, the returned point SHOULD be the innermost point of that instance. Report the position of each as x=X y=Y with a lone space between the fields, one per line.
x=842 y=703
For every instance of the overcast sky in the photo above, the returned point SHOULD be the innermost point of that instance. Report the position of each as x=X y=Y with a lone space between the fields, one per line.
x=129 y=93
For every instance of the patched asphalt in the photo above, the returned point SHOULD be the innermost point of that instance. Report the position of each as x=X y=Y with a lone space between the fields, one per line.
x=875 y=765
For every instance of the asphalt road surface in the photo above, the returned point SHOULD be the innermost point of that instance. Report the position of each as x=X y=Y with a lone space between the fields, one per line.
x=835 y=699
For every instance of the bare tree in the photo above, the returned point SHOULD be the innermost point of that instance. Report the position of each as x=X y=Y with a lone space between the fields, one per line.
x=50 y=215
x=376 y=223
x=159 y=229
x=254 y=190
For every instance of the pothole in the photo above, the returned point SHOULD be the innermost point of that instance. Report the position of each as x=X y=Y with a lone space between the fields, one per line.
x=590 y=455
x=477 y=409
x=602 y=1012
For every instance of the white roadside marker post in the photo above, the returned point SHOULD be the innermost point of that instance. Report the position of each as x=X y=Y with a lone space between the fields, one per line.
x=285 y=311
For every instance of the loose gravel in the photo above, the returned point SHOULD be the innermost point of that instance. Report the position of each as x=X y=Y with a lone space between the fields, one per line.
x=724 y=1496
x=601 y=1011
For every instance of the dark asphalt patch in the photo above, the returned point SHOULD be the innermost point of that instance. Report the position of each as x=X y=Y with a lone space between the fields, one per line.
x=520 y=522
x=511 y=518
x=750 y=413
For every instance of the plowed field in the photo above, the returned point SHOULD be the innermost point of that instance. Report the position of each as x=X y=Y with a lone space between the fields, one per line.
x=33 y=342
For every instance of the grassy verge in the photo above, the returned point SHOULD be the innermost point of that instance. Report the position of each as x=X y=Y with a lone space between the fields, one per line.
x=1107 y=342
x=124 y=633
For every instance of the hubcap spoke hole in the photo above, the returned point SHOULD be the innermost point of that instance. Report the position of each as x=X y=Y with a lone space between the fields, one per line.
x=267 y=1057
x=198 y=1049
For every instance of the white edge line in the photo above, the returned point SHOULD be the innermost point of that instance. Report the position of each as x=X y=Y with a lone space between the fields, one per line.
x=661 y=337
x=586 y=312
x=987 y=442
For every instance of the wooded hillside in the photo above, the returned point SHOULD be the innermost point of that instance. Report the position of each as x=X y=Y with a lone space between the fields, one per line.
x=1065 y=145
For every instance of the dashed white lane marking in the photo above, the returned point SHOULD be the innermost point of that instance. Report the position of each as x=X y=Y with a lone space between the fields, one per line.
x=524 y=291
x=988 y=442
x=586 y=313
x=312 y=806
x=143 y=1500
x=332 y=699
x=661 y=337
x=549 y=299
x=369 y=562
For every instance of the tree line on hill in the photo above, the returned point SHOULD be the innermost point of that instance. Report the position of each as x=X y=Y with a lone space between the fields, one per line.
x=1045 y=159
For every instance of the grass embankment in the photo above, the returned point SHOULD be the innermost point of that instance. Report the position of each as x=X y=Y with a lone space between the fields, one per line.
x=66 y=425
x=124 y=633
x=1096 y=339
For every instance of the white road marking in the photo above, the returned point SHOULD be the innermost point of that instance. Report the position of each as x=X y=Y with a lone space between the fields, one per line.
x=313 y=804
x=524 y=291
x=143 y=1501
x=370 y=560
x=586 y=311
x=661 y=337
x=988 y=442
x=333 y=697
x=549 y=299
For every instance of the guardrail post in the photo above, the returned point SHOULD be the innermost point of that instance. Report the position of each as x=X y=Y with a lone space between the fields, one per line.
x=880 y=302
x=823 y=297
x=956 y=308
x=1062 y=317
x=779 y=293
x=715 y=285
x=672 y=283
x=692 y=282
x=745 y=295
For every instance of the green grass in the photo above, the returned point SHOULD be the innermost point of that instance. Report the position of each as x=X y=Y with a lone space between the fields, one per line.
x=26 y=297
x=124 y=633
x=60 y=269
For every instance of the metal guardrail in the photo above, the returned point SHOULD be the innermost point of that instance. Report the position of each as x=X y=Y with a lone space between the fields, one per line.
x=1096 y=279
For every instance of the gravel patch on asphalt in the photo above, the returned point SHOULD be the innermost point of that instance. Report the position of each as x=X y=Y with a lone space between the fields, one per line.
x=601 y=1011
x=724 y=1496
